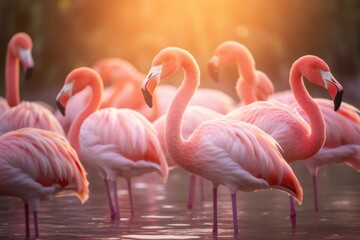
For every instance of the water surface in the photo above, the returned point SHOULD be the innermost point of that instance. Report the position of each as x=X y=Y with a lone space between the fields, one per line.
x=161 y=212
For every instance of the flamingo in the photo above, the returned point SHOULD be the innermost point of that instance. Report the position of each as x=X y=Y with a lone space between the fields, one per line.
x=232 y=153
x=115 y=142
x=342 y=127
x=252 y=85
x=298 y=139
x=23 y=114
x=342 y=144
x=193 y=116
x=36 y=164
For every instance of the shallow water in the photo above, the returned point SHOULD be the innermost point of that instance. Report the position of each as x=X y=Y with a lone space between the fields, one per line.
x=161 y=212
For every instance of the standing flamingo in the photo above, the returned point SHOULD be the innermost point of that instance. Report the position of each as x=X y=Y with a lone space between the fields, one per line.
x=23 y=114
x=342 y=144
x=36 y=164
x=252 y=85
x=298 y=139
x=235 y=154
x=115 y=142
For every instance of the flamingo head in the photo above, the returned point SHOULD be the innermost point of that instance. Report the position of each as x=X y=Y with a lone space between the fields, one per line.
x=318 y=72
x=230 y=52
x=20 y=46
x=76 y=81
x=165 y=63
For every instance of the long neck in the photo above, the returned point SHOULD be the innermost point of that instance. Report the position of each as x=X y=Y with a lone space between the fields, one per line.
x=173 y=128
x=92 y=106
x=245 y=91
x=247 y=80
x=12 y=79
x=316 y=138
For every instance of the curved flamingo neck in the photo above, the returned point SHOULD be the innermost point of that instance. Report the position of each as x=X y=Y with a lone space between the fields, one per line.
x=246 y=91
x=93 y=105
x=247 y=75
x=173 y=130
x=12 y=78
x=316 y=138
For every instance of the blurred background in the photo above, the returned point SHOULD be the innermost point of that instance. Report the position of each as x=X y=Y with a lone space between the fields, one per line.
x=72 y=33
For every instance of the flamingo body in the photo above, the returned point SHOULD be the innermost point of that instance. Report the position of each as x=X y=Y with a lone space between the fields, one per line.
x=36 y=164
x=29 y=114
x=105 y=151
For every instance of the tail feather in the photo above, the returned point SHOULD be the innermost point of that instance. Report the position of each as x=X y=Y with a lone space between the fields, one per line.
x=291 y=185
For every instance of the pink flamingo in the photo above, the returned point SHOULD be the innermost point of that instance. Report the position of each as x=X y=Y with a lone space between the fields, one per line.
x=23 y=114
x=252 y=85
x=298 y=139
x=342 y=144
x=37 y=164
x=193 y=117
x=115 y=142
x=235 y=154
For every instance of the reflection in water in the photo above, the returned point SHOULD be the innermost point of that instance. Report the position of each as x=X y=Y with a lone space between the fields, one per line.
x=161 y=212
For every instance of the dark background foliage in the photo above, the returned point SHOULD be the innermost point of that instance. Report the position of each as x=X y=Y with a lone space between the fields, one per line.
x=72 y=33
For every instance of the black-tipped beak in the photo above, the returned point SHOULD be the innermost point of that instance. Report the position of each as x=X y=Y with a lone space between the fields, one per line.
x=338 y=100
x=60 y=107
x=28 y=73
x=147 y=97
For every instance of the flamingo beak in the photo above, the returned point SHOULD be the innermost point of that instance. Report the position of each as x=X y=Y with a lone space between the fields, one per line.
x=63 y=97
x=213 y=68
x=334 y=87
x=27 y=61
x=150 y=83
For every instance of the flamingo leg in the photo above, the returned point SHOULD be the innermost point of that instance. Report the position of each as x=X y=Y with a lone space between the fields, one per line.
x=36 y=224
x=215 y=221
x=315 y=193
x=202 y=191
x=292 y=213
x=111 y=206
x=130 y=197
x=116 y=201
x=27 y=221
x=192 y=181
x=234 y=208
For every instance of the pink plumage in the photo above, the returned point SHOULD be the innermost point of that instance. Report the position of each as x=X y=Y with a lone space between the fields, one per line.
x=23 y=114
x=36 y=164
x=237 y=155
x=115 y=142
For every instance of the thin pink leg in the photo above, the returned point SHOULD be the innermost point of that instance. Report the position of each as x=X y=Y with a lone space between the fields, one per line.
x=192 y=181
x=116 y=201
x=27 y=220
x=292 y=214
x=36 y=224
x=202 y=191
x=234 y=208
x=215 y=220
x=111 y=206
x=315 y=193
x=130 y=197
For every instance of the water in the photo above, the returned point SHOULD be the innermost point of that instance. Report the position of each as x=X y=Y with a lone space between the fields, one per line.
x=161 y=212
